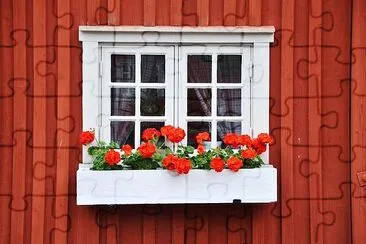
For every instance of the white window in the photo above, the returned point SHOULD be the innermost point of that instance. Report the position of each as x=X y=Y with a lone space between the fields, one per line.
x=200 y=79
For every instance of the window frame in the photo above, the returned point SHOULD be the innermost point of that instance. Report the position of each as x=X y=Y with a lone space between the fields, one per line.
x=94 y=37
x=137 y=50
x=244 y=85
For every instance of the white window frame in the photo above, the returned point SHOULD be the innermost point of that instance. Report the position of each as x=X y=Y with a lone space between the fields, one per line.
x=94 y=38
x=107 y=51
x=244 y=85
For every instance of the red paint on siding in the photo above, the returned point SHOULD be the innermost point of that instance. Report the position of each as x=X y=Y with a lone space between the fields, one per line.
x=316 y=117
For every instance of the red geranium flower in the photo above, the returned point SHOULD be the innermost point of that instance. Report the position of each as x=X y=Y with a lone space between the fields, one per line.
x=200 y=149
x=170 y=161
x=176 y=135
x=202 y=136
x=232 y=139
x=147 y=150
x=166 y=130
x=183 y=165
x=217 y=164
x=249 y=153
x=150 y=134
x=127 y=149
x=86 y=137
x=245 y=140
x=112 y=157
x=265 y=138
x=234 y=163
x=258 y=146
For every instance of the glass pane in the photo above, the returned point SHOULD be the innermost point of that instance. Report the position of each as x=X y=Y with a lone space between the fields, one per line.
x=156 y=125
x=122 y=101
x=228 y=68
x=123 y=132
x=194 y=128
x=228 y=102
x=152 y=102
x=199 y=102
x=224 y=127
x=123 y=68
x=199 y=68
x=152 y=68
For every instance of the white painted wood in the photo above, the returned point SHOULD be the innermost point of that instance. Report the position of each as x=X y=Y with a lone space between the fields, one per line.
x=260 y=92
x=214 y=102
x=91 y=92
x=162 y=186
x=107 y=51
x=198 y=29
x=246 y=90
x=164 y=34
x=133 y=39
x=215 y=50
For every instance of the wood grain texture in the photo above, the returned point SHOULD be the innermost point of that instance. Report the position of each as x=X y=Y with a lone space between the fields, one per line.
x=316 y=118
x=287 y=122
x=39 y=122
x=19 y=124
x=358 y=122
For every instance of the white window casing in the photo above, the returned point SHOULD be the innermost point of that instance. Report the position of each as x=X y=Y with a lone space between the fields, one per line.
x=107 y=51
x=99 y=42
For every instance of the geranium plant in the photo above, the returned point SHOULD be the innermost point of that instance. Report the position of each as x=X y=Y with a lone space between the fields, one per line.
x=241 y=151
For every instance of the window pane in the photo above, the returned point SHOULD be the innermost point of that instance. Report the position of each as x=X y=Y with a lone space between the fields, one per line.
x=123 y=132
x=152 y=102
x=199 y=68
x=199 y=102
x=152 y=68
x=224 y=127
x=228 y=102
x=156 y=125
x=122 y=101
x=194 y=128
x=228 y=68
x=123 y=68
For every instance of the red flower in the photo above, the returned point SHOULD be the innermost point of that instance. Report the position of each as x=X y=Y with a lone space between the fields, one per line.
x=258 y=146
x=249 y=153
x=166 y=130
x=170 y=161
x=202 y=136
x=217 y=164
x=147 y=150
x=127 y=149
x=150 y=134
x=176 y=135
x=245 y=140
x=86 y=137
x=232 y=139
x=265 y=138
x=234 y=163
x=200 y=149
x=183 y=165
x=112 y=157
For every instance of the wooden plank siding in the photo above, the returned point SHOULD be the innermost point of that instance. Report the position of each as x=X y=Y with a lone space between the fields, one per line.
x=317 y=90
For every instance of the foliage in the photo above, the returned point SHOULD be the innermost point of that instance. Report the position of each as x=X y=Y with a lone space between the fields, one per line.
x=154 y=154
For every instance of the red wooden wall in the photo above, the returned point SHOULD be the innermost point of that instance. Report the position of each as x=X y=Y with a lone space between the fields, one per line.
x=317 y=117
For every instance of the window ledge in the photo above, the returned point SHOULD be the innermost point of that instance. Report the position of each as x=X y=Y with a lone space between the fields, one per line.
x=165 y=187
x=175 y=34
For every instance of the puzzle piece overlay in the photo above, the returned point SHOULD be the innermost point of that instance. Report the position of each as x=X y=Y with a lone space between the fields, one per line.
x=317 y=95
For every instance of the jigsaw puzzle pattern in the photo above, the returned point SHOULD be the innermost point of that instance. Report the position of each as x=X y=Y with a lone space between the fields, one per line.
x=317 y=110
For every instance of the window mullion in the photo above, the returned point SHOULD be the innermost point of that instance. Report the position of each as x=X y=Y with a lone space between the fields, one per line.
x=138 y=98
x=214 y=102
x=176 y=77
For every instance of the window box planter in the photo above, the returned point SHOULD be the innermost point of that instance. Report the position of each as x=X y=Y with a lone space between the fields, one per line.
x=257 y=185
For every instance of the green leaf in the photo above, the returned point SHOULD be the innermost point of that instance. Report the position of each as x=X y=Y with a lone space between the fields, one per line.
x=189 y=149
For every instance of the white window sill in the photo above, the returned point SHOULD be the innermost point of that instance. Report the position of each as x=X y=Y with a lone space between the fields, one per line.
x=161 y=186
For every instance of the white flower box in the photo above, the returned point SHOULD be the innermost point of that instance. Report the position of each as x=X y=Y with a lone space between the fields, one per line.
x=162 y=186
